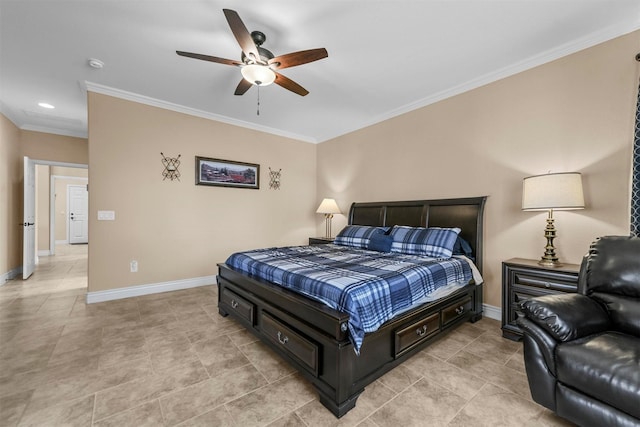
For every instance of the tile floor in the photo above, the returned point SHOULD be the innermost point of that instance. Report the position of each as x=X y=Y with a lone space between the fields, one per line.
x=170 y=359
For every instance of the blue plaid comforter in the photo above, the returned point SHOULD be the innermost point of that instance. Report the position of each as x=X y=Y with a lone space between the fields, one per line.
x=372 y=287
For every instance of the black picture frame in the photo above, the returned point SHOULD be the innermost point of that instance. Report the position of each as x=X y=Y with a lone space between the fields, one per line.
x=227 y=173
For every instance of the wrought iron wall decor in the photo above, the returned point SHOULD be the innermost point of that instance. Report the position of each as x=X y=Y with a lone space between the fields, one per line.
x=171 y=165
x=274 y=179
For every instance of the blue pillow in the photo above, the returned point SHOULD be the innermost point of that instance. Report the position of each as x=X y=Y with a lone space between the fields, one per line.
x=462 y=247
x=433 y=241
x=357 y=236
x=380 y=241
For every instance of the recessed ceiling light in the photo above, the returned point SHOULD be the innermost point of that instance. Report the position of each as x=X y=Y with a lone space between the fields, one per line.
x=95 y=63
x=46 y=105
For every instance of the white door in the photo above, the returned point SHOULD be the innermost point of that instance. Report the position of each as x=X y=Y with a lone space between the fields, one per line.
x=78 y=200
x=29 y=219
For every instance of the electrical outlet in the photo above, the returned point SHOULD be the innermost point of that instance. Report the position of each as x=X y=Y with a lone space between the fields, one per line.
x=134 y=266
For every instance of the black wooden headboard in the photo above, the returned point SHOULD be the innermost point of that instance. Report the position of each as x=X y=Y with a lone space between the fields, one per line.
x=465 y=213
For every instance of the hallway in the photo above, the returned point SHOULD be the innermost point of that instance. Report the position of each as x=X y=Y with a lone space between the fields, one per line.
x=61 y=275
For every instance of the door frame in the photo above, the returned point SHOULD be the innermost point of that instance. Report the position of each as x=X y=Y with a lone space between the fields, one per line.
x=52 y=163
x=52 y=207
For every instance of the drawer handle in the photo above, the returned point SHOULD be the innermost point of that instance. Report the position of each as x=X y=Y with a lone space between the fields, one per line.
x=421 y=331
x=234 y=304
x=460 y=310
x=282 y=338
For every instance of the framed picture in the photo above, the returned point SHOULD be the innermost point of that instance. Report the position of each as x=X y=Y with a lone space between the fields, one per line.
x=227 y=173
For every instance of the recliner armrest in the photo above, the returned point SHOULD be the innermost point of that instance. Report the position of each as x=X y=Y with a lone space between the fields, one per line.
x=566 y=316
x=546 y=344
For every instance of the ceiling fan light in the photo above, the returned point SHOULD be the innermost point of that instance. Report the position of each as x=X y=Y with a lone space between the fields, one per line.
x=256 y=74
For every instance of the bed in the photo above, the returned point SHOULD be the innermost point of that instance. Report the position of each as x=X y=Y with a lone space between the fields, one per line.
x=315 y=338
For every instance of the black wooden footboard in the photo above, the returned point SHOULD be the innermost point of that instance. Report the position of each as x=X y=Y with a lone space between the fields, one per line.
x=313 y=337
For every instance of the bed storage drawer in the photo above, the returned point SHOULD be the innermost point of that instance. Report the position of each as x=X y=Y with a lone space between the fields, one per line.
x=293 y=343
x=418 y=331
x=239 y=305
x=456 y=310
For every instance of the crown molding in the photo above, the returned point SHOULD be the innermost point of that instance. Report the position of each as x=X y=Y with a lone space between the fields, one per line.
x=55 y=131
x=9 y=114
x=574 y=46
x=13 y=118
x=146 y=100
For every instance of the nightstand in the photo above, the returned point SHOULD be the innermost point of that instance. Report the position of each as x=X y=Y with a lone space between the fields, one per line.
x=525 y=278
x=320 y=240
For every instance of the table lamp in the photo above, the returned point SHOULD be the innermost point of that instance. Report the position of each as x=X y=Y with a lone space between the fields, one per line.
x=553 y=191
x=328 y=207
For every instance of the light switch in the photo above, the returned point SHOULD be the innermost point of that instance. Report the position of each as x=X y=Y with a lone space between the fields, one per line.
x=106 y=215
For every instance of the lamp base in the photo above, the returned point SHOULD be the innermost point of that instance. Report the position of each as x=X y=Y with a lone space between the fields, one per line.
x=327 y=218
x=549 y=259
x=549 y=263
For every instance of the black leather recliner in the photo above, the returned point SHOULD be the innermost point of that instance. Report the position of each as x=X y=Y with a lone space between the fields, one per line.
x=582 y=351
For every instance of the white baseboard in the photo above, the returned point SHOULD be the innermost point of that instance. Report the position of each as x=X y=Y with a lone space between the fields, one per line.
x=61 y=242
x=153 y=288
x=46 y=252
x=9 y=275
x=492 y=312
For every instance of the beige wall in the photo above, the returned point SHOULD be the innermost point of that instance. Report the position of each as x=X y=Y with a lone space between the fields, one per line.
x=10 y=197
x=63 y=171
x=57 y=148
x=573 y=114
x=177 y=230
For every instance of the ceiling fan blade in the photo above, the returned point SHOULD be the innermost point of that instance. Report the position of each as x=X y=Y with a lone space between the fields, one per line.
x=241 y=34
x=243 y=86
x=297 y=58
x=208 y=58
x=289 y=84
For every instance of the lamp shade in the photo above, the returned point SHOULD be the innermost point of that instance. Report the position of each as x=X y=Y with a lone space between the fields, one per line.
x=328 y=206
x=258 y=74
x=558 y=191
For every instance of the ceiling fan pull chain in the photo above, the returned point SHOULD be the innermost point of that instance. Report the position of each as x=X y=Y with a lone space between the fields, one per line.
x=258 y=100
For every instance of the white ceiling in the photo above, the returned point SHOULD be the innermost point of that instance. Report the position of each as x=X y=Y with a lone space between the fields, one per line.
x=385 y=57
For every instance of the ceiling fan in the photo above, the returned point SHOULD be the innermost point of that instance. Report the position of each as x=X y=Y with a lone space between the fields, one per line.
x=258 y=65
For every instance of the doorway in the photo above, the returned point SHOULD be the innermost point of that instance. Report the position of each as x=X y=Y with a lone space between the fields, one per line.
x=39 y=196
